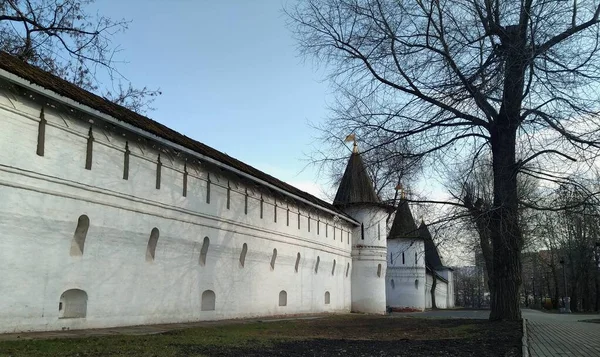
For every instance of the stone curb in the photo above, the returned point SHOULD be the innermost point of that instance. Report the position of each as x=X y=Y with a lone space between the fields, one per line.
x=524 y=342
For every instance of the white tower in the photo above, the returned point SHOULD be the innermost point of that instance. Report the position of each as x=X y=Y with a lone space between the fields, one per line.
x=405 y=278
x=357 y=198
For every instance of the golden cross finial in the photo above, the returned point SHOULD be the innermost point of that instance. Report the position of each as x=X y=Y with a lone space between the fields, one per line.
x=352 y=137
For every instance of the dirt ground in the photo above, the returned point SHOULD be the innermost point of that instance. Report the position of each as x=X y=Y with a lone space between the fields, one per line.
x=346 y=335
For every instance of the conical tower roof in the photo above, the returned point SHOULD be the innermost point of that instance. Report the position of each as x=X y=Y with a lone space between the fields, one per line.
x=432 y=256
x=356 y=186
x=404 y=224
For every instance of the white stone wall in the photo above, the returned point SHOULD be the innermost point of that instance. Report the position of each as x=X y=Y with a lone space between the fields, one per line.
x=441 y=293
x=368 y=259
x=448 y=275
x=405 y=278
x=43 y=198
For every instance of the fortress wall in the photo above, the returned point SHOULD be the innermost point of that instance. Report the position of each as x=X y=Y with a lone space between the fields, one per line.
x=115 y=280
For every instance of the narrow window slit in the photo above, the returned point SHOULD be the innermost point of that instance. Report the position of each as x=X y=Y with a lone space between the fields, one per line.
x=89 y=151
x=204 y=251
x=185 y=179
x=126 y=162
x=158 y=172
x=208 y=189
x=152 y=242
x=262 y=202
x=41 y=134
x=228 y=195
x=333 y=268
x=246 y=201
x=243 y=254
x=297 y=262
x=273 y=258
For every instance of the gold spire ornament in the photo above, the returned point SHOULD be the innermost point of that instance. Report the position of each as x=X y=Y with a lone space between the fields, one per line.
x=402 y=191
x=352 y=137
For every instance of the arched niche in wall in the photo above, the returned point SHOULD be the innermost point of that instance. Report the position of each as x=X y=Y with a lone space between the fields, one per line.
x=393 y=284
x=204 y=251
x=378 y=270
x=282 y=298
x=273 y=258
x=297 y=265
x=416 y=259
x=327 y=298
x=152 y=242
x=208 y=301
x=78 y=242
x=317 y=264
x=243 y=254
x=417 y=284
x=73 y=304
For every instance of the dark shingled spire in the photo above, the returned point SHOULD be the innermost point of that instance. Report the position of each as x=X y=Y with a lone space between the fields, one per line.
x=356 y=186
x=404 y=226
x=432 y=256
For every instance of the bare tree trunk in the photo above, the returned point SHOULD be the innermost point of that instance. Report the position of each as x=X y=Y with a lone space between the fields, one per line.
x=556 y=288
x=505 y=230
x=433 y=285
x=597 y=307
x=507 y=240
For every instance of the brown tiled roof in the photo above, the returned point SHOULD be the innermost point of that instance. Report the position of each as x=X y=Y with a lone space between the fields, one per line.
x=356 y=186
x=64 y=88
x=404 y=226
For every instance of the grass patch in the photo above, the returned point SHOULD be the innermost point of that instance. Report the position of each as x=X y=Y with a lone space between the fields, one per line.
x=325 y=336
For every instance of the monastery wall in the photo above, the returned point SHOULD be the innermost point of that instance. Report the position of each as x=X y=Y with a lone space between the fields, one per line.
x=441 y=293
x=143 y=237
x=405 y=278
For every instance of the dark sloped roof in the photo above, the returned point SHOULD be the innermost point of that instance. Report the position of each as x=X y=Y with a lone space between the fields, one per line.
x=431 y=271
x=404 y=226
x=356 y=186
x=432 y=255
x=64 y=88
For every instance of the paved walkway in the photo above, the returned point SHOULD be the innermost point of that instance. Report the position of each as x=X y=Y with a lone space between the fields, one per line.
x=554 y=335
x=550 y=335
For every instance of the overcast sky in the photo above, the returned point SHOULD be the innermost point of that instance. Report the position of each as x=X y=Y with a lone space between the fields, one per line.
x=231 y=78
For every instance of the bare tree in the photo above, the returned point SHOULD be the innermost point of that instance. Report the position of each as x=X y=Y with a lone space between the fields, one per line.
x=460 y=77
x=60 y=37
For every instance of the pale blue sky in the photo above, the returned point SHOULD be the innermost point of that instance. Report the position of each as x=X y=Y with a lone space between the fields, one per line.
x=231 y=78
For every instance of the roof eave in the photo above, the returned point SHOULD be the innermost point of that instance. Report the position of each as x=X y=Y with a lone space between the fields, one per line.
x=11 y=77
